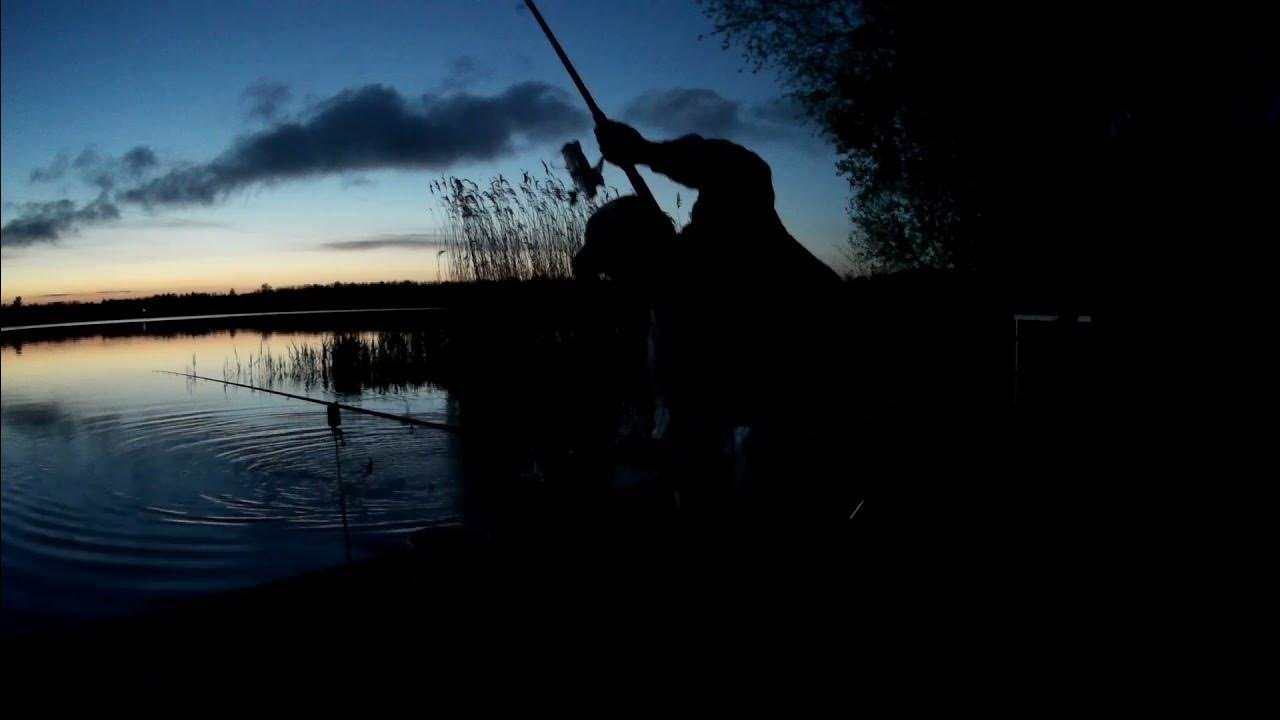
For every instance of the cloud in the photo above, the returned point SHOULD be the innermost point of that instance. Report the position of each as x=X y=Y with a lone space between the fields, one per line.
x=356 y=181
x=373 y=127
x=96 y=292
x=45 y=222
x=55 y=171
x=465 y=72
x=681 y=111
x=779 y=111
x=409 y=240
x=369 y=128
x=138 y=161
x=106 y=173
x=521 y=62
x=173 y=222
x=266 y=98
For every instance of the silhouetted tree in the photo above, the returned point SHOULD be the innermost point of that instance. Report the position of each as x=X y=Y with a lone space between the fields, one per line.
x=977 y=134
x=17 y=302
x=844 y=60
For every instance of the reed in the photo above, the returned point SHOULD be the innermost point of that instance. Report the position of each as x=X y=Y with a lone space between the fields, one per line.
x=347 y=363
x=513 y=232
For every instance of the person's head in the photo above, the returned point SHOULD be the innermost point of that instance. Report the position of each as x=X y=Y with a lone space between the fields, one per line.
x=627 y=240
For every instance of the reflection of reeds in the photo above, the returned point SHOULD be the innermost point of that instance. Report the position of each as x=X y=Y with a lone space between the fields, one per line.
x=343 y=362
x=513 y=232
x=546 y=365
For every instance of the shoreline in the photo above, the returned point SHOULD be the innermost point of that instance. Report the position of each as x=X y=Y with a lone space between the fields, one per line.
x=218 y=316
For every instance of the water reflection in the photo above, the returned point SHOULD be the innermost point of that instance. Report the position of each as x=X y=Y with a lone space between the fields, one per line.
x=122 y=486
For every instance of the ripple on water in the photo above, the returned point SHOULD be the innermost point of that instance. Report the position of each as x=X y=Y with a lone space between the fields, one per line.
x=110 y=504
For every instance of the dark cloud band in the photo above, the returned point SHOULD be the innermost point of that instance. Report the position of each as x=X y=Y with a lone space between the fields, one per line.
x=680 y=111
x=46 y=222
x=369 y=128
x=412 y=240
x=266 y=99
x=465 y=72
x=373 y=127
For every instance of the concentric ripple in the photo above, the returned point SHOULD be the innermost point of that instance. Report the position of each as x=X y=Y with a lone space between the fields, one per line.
x=122 y=486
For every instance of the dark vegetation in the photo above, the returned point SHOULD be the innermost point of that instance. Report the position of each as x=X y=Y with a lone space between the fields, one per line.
x=902 y=339
x=336 y=296
x=513 y=232
x=1024 y=295
x=1076 y=142
x=535 y=336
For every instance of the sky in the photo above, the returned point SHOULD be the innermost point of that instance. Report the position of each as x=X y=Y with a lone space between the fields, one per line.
x=163 y=146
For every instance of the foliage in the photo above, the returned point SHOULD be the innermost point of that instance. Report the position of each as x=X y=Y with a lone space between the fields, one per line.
x=850 y=70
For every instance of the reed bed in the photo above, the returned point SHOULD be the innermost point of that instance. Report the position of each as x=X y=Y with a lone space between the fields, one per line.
x=389 y=361
x=506 y=231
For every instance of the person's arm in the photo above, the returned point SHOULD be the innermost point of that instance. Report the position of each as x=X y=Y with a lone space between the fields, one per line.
x=692 y=161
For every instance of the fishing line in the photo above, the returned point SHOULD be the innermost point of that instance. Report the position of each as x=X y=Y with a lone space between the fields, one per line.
x=335 y=420
x=342 y=493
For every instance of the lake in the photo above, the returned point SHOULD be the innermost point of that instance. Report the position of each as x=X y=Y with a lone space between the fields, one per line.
x=123 y=487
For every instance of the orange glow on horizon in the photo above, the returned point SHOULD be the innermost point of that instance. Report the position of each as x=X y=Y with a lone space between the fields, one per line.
x=40 y=280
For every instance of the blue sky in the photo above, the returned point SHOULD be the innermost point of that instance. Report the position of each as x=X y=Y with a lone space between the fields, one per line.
x=172 y=78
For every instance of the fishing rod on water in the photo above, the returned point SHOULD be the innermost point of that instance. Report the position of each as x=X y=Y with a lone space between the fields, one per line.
x=637 y=182
x=334 y=407
x=335 y=421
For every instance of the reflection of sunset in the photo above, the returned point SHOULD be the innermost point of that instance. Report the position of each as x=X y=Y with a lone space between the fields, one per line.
x=98 y=357
x=122 y=487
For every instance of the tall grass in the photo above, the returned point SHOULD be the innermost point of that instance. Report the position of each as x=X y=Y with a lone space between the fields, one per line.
x=306 y=365
x=546 y=374
x=513 y=232
x=342 y=362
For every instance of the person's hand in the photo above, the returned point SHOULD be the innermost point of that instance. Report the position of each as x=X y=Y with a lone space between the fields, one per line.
x=620 y=143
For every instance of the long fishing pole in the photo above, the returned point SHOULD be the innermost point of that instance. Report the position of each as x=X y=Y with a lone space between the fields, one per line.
x=333 y=406
x=637 y=182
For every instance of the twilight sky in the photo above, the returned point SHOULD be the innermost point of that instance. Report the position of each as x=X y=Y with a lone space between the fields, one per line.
x=159 y=146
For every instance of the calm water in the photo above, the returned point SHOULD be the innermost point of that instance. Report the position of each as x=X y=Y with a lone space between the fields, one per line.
x=122 y=487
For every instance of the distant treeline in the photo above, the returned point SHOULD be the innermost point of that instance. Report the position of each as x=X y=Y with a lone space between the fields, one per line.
x=909 y=345
x=337 y=296
x=919 y=289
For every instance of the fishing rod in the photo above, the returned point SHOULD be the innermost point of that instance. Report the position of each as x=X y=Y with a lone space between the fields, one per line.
x=335 y=420
x=620 y=454
x=332 y=406
x=637 y=182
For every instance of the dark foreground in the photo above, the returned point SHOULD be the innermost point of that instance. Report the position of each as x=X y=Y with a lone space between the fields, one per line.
x=959 y=502
x=974 y=537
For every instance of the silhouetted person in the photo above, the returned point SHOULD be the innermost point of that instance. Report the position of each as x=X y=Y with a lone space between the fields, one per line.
x=734 y=235
x=739 y=331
